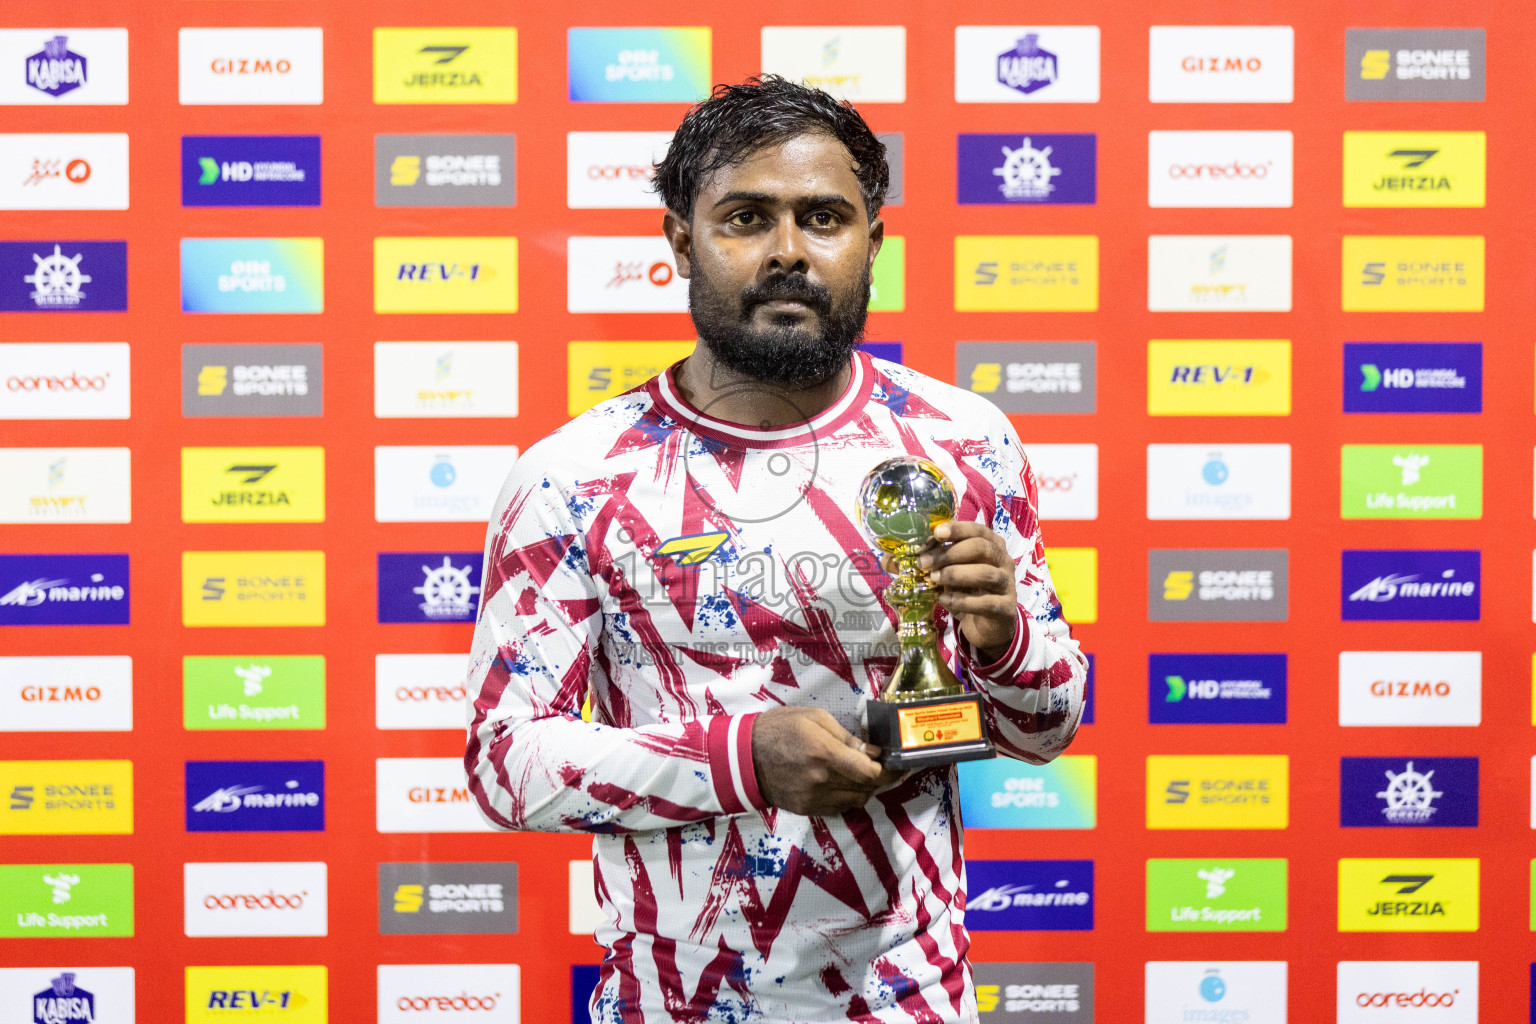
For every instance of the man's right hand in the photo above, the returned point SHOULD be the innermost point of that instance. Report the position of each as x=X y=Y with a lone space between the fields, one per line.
x=809 y=764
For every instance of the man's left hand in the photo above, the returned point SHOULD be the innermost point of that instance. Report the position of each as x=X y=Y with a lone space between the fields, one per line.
x=975 y=576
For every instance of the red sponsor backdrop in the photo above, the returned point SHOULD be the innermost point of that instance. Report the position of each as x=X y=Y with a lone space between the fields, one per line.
x=929 y=218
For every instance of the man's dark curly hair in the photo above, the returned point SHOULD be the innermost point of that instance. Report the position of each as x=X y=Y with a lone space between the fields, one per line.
x=738 y=120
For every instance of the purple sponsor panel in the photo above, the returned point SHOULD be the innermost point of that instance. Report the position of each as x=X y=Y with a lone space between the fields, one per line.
x=255 y=796
x=250 y=170
x=64 y=590
x=1027 y=169
x=1413 y=377
x=63 y=277
x=1411 y=586
x=1216 y=689
x=429 y=586
x=1408 y=792
x=1029 y=895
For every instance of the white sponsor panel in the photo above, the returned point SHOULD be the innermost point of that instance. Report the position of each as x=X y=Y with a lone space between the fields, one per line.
x=1220 y=169
x=255 y=898
x=1533 y=792
x=252 y=66
x=420 y=691
x=439 y=484
x=1221 y=63
x=861 y=64
x=56 y=171
x=1068 y=479
x=612 y=170
x=622 y=274
x=110 y=988
x=1219 y=273
x=43 y=66
x=1408 y=992
x=76 y=693
x=485 y=993
x=424 y=794
x=1410 y=687
x=64 y=380
x=1218 y=481
x=65 y=485
x=586 y=915
x=444 y=379
x=1246 y=991
x=1026 y=64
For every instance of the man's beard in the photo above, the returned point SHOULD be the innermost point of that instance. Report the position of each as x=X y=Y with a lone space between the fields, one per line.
x=789 y=352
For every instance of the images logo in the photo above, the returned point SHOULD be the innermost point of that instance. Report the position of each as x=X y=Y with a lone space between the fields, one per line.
x=429 y=586
x=249 y=899
x=251 y=66
x=1011 y=794
x=76 y=900
x=1039 y=273
x=64 y=66
x=63 y=277
x=1199 y=791
x=599 y=370
x=1414 y=64
x=1221 y=63
x=444 y=275
x=1421 y=688
x=1216 y=689
x=64 y=590
x=1429 y=481
x=622 y=274
x=418 y=484
x=1219 y=378
x=1028 y=169
x=1415 y=168
x=255 y=796
x=443 y=379
x=445 y=65
x=253 y=485
x=448 y=899
x=1233 y=895
x=252 y=380
x=295 y=995
x=1229 y=992
x=59 y=798
x=1017 y=64
x=444 y=170
x=865 y=64
x=1412 y=585
x=424 y=794
x=1053 y=992
x=1202 y=481
x=253 y=588
x=1395 y=377
x=1216 y=273
x=1435 y=894
x=252 y=275
x=1413 y=273
x=272 y=692
x=638 y=65
x=1418 y=792
x=1218 y=585
x=1030 y=895
x=250 y=170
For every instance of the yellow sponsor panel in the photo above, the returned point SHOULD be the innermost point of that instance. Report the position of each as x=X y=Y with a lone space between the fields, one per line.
x=1401 y=894
x=66 y=798
x=1415 y=168
x=1413 y=273
x=253 y=588
x=1075 y=576
x=293 y=995
x=445 y=65
x=1218 y=791
x=1032 y=273
x=1219 y=378
x=598 y=370
x=418 y=274
x=253 y=485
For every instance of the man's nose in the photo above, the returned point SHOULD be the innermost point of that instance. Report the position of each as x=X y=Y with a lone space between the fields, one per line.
x=787 y=252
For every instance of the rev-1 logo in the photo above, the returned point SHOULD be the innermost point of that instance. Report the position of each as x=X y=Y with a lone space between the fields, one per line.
x=436 y=272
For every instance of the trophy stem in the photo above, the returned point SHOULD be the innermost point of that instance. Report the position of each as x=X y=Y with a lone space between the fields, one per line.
x=920 y=669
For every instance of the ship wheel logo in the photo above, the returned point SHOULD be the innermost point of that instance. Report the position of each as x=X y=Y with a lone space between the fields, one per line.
x=1026 y=172
x=1410 y=796
x=57 y=279
x=446 y=591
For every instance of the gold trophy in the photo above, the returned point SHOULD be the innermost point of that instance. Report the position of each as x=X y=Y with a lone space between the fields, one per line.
x=924 y=716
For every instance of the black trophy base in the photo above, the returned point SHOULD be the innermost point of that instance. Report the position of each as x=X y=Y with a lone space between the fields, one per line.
x=934 y=730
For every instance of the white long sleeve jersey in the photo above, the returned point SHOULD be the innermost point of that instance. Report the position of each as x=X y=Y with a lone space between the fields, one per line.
x=687 y=573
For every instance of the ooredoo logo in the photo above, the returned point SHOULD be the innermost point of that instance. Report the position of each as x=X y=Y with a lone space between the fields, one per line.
x=74 y=382
x=261 y=898
x=463 y=1002
x=1422 y=997
x=423 y=992
x=420 y=691
x=1444 y=991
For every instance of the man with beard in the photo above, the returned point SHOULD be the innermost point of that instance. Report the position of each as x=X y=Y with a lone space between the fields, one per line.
x=686 y=556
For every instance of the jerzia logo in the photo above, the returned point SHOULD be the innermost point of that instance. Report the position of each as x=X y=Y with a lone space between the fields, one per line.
x=1424 y=895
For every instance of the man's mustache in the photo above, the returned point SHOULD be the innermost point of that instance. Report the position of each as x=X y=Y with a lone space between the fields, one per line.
x=787 y=286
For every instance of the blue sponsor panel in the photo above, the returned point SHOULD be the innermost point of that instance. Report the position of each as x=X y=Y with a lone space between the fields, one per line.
x=64 y=590
x=1216 y=689
x=250 y=170
x=890 y=351
x=429 y=586
x=63 y=277
x=1394 y=377
x=1030 y=169
x=1408 y=792
x=1411 y=586
x=584 y=978
x=255 y=796
x=1029 y=895
x=1090 y=687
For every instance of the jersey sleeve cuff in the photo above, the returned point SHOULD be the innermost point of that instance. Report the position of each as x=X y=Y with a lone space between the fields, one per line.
x=1006 y=668
x=729 y=745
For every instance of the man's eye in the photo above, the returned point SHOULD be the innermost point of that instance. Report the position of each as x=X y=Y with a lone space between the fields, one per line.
x=824 y=218
x=743 y=218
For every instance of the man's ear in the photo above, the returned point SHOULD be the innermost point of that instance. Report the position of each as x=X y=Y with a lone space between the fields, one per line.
x=876 y=239
x=680 y=238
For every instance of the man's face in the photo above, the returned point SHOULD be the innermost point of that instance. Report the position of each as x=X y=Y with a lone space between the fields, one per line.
x=778 y=257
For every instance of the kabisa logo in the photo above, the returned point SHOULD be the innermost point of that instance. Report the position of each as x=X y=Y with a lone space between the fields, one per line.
x=1028 y=67
x=1030 y=895
x=252 y=275
x=64 y=1002
x=1416 y=792
x=56 y=69
x=1397 y=377
x=63 y=590
x=1216 y=689
x=72 y=277
x=445 y=65
x=1001 y=793
x=1015 y=993
x=447 y=899
x=1233 y=895
x=1414 y=64
x=75 y=900
x=255 y=796
x=1413 y=585
x=444 y=170
x=429 y=586
x=252 y=380
x=1431 y=894
x=1029 y=169
x=250 y=170
x=1026 y=64
x=638 y=65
